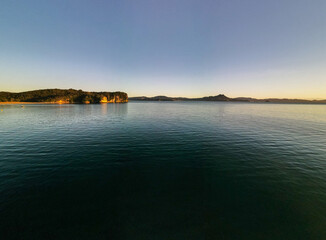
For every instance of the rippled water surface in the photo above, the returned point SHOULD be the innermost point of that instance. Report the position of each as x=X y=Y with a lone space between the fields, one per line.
x=170 y=170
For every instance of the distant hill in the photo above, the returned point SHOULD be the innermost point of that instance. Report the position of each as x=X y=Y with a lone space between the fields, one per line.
x=278 y=100
x=158 y=98
x=220 y=97
x=64 y=96
x=223 y=98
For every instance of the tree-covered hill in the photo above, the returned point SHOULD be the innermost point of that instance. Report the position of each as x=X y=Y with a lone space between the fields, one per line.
x=64 y=96
x=223 y=98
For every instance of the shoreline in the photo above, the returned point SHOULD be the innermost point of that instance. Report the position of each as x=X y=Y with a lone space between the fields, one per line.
x=13 y=103
x=59 y=103
x=134 y=100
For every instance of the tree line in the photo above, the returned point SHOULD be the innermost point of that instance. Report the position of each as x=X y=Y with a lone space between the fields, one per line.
x=61 y=95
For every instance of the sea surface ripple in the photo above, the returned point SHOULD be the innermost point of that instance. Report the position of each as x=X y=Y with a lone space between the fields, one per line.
x=163 y=170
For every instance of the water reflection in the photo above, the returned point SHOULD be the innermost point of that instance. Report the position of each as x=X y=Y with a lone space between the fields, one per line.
x=119 y=109
x=104 y=108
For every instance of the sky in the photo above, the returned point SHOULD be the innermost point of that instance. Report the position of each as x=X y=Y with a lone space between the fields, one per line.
x=191 y=48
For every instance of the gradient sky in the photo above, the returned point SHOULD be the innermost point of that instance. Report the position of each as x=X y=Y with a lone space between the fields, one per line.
x=270 y=48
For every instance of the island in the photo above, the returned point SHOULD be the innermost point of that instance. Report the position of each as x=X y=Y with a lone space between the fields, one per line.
x=63 y=96
x=223 y=98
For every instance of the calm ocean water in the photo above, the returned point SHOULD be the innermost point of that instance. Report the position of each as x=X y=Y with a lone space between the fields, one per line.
x=163 y=170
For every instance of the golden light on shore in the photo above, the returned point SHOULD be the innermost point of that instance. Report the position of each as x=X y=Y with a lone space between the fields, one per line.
x=104 y=100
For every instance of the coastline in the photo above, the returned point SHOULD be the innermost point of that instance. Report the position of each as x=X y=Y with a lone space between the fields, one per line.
x=259 y=102
x=13 y=103
x=59 y=103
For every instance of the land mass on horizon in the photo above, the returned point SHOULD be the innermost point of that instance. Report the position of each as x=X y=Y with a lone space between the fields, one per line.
x=223 y=98
x=65 y=96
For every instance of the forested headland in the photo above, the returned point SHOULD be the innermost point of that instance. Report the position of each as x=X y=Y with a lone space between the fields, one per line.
x=64 y=96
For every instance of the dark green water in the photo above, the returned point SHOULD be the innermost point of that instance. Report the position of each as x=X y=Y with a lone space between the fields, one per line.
x=190 y=170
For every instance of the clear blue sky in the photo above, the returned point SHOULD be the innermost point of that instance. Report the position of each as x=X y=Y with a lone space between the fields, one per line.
x=270 y=48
